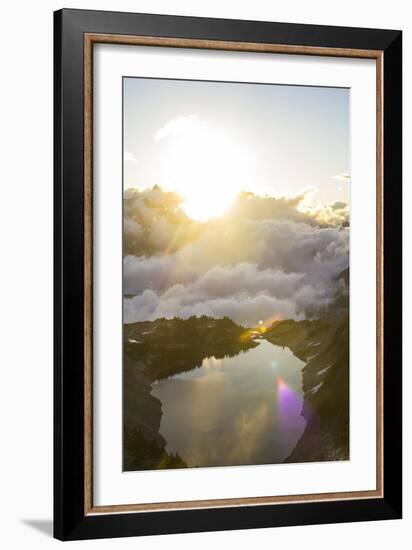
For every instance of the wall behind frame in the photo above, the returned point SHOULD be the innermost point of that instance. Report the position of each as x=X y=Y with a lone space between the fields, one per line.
x=26 y=324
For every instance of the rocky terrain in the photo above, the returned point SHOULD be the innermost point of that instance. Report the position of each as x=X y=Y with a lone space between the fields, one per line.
x=324 y=346
x=158 y=349
x=163 y=348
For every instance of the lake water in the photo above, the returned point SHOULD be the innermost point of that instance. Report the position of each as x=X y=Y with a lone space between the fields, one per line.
x=233 y=411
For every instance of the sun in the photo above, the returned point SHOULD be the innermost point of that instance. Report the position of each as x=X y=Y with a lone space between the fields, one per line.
x=208 y=167
x=203 y=210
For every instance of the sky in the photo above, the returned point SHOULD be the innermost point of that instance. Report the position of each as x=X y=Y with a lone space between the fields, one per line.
x=278 y=253
x=210 y=140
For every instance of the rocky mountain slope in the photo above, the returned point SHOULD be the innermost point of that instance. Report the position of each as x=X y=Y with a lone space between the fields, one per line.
x=158 y=349
x=324 y=346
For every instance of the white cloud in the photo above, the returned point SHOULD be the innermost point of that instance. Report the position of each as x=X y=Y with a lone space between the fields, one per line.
x=336 y=213
x=179 y=125
x=129 y=157
x=283 y=269
x=265 y=259
x=154 y=272
x=342 y=177
x=150 y=306
x=271 y=244
x=154 y=221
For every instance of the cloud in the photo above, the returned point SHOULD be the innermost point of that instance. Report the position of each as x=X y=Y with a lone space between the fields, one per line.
x=264 y=259
x=247 y=312
x=179 y=125
x=338 y=205
x=129 y=157
x=253 y=207
x=288 y=270
x=247 y=279
x=336 y=213
x=155 y=273
x=342 y=177
x=271 y=244
x=154 y=222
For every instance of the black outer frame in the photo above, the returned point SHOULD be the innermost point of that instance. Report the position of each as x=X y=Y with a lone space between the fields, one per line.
x=70 y=522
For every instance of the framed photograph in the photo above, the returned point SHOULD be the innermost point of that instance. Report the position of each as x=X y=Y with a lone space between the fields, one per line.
x=227 y=274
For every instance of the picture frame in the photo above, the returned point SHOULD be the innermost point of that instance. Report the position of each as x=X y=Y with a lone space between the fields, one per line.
x=76 y=33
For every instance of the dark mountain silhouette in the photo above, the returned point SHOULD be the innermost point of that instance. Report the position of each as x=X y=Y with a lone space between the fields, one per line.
x=158 y=349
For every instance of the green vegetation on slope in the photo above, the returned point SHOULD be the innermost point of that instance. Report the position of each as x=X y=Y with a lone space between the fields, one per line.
x=172 y=346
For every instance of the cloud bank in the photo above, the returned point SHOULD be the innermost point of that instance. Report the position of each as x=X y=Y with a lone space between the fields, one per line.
x=265 y=259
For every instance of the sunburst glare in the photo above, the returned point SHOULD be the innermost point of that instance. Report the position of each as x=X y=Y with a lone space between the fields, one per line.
x=207 y=166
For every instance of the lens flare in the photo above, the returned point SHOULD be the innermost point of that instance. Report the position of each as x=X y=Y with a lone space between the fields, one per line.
x=289 y=401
